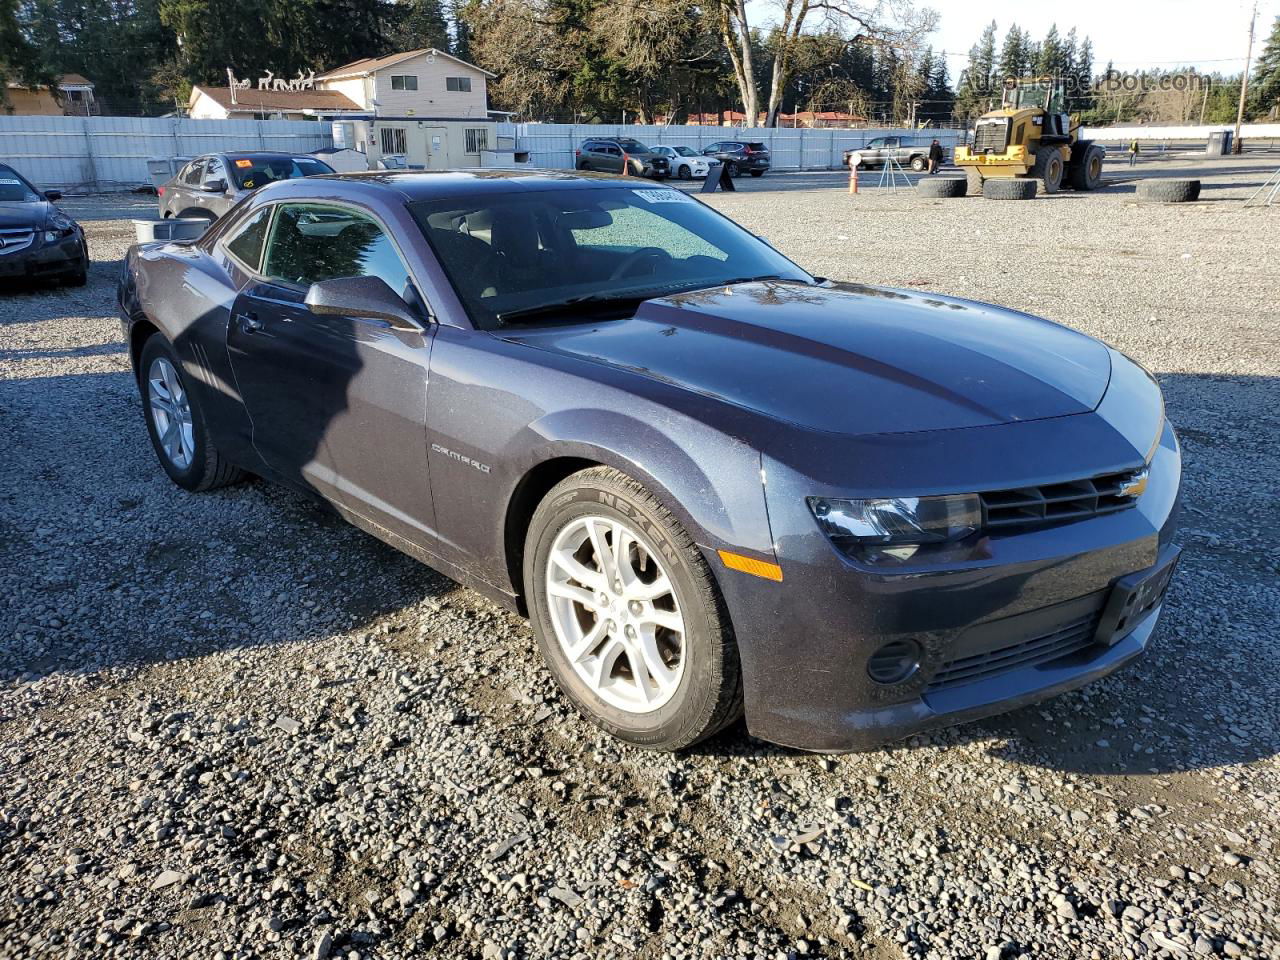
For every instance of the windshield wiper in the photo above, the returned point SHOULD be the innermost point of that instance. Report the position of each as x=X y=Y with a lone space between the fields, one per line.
x=573 y=305
x=759 y=279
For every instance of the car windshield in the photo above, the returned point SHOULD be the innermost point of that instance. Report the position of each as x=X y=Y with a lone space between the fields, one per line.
x=686 y=152
x=633 y=146
x=515 y=253
x=253 y=172
x=14 y=189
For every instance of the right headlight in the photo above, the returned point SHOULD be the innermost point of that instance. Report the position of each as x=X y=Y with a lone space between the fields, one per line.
x=896 y=527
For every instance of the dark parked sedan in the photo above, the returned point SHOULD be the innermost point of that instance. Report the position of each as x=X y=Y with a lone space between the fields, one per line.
x=740 y=156
x=37 y=240
x=712 y=480
x=209 y=186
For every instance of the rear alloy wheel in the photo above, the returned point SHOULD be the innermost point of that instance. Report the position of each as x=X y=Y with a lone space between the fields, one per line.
x=627 y=614
x=176 y=424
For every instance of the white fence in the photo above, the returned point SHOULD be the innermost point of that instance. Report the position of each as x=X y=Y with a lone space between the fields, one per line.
x=111 y=153
x=552 y=144
x=1255 y=131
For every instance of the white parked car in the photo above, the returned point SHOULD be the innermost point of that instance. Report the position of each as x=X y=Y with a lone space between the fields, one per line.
x=686 y=163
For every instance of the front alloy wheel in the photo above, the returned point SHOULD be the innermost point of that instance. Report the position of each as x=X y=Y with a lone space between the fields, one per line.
x=614 y=611
x=628 y=616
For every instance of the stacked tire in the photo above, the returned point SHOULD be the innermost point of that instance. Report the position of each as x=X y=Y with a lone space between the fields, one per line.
x=941 y=187
x=1009 y=188
x=1168 y=191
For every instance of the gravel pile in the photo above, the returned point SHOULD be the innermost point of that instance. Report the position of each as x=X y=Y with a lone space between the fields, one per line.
x=233 y=727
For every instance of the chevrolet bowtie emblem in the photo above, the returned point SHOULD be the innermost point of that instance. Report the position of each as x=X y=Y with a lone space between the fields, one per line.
x=1135 y=485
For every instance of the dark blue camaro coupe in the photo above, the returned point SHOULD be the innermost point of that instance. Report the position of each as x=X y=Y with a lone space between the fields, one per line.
x=714 y=482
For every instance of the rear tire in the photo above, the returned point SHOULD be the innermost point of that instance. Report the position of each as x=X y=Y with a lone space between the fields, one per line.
x=1168 y=191
x=1048 y=169
x=192 y=462
x=696 y=680
x=1009 y=188
x=1085 y=171
x=942 y=187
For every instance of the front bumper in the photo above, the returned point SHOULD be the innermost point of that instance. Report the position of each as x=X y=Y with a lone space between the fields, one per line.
x=41 y=259
x=805 y=643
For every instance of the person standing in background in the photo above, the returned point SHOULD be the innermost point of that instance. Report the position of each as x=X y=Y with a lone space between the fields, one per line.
x=935 y=156
x=1134 y=150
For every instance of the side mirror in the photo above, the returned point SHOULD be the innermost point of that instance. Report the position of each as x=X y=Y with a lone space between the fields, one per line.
x=214 y=186
x=53 y=194
x=365 y=297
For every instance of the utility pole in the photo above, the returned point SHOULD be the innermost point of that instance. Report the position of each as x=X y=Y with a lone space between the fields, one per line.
x=1244 y=79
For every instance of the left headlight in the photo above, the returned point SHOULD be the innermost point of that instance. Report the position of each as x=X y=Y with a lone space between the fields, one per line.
x=896 y=527
x=58 y=228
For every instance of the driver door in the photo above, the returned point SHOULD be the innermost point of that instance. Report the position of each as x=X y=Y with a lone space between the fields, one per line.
x=337 y=404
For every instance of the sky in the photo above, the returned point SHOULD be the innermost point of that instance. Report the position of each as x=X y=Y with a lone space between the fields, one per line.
x=1134 y=33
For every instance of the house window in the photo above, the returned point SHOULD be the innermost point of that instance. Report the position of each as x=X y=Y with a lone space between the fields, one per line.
x=393 y=140
x=404 y=83
x=477 y=140
x=457 y=84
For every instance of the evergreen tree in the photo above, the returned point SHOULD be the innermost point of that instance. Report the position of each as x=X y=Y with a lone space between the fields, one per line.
x=1265 y=83
x=1012 y=54
x=1049 y=60
x=976 y=81
x=1083 y=75
x=419 y=24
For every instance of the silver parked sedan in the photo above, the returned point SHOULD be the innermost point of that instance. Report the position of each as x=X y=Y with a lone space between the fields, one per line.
x=211 y=185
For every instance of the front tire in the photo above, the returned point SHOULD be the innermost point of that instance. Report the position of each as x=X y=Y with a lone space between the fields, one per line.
x=683 y=172
x=627 y=614
x=1048 y=169
x=176 y=423
x=732 y=168
x=918 y=164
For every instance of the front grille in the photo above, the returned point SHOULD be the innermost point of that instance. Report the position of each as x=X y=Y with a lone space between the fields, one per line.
x=1066 y=640
x=13 y=239
x=1024 y=507
x=991 y=136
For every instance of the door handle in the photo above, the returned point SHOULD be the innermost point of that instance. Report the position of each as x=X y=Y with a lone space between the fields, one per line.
x=249 y=323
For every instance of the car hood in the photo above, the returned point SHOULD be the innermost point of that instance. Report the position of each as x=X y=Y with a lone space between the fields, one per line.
x=30 y=215
x=850 y=359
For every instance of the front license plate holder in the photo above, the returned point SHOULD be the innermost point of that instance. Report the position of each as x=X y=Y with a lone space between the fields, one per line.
x=1135 y=596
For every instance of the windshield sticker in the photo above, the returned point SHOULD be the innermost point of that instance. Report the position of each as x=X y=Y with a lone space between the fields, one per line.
x=248 y=184
x=244 y=163
x=663 y=196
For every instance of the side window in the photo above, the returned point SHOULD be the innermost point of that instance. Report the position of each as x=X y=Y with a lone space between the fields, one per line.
x=877 y=142
x=194 y=172
x=214 y=171
x=314 y=242
x=246 y=244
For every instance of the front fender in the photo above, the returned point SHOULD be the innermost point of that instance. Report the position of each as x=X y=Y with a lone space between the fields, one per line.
x=710 y=481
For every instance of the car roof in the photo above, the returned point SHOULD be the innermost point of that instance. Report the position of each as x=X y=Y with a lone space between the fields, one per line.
x=416 y=185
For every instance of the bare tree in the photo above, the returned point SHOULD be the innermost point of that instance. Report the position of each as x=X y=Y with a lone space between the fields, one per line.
x=897 y=23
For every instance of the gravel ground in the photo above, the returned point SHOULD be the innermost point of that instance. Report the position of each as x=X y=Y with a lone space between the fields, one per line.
x=231 y=726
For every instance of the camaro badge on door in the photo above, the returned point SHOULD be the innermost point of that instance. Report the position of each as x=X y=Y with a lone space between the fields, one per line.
x=482 y=467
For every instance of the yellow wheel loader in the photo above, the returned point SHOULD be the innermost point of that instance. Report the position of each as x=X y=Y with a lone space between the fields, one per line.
x=1031 y=136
